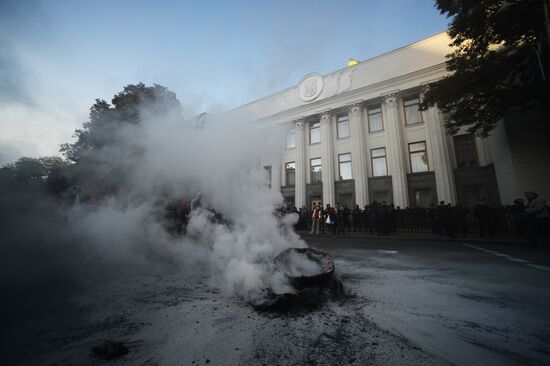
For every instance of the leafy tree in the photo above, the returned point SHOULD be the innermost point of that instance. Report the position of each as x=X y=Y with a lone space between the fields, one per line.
x=129 y=107
x=34 y=170
x=105 y=151
x=498 y=63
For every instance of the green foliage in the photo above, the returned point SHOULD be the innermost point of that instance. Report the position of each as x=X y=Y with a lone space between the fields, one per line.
x=498 y=48
x=129 y=107
x=34 y=170
x=108 y=146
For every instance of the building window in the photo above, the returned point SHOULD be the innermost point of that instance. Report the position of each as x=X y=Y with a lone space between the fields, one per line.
x=412 y=113
x=290 y=169
x=291 y=139
x=466 y=151
x=314 y=132
x=378 y=160
x=344 y=163
x=267 y=170
x=342 y=127
x=418 y=156
x=315 y=170
x=375 y=119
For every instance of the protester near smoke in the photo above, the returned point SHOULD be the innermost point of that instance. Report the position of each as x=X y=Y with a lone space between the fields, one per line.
x=393 y=213
x=483 y=214
x=304 y=218
x=461 y=219
x=340 y=218
x=370 y=218
x=315 y=218
x=323 y=219
x=442 y=219
x=346 y=214
x=331 y=219
x=356 y=216
x=520 y=217
x=385 y=219
x=295 y=211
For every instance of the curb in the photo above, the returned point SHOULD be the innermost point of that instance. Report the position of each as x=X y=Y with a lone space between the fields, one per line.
x=515 y=241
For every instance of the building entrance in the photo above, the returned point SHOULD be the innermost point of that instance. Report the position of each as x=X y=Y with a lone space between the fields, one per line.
x=316 y=201
x=422 y=197
x=347 y=199
x=379 y=197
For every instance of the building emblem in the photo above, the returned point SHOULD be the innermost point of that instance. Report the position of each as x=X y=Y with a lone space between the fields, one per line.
x=310 y=87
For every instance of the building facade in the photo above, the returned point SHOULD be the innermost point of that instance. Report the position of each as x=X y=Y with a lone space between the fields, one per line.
x=357 y=136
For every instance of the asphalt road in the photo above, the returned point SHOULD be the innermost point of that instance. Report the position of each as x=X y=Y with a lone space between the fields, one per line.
x=411 y=303
x=462 y=303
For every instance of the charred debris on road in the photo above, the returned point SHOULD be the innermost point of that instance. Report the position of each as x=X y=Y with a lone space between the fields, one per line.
x=310 y=273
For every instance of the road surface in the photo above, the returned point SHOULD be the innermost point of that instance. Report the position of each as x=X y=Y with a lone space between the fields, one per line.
x=411 y=303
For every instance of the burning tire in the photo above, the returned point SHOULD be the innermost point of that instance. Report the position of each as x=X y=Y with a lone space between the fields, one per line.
x=310 y=272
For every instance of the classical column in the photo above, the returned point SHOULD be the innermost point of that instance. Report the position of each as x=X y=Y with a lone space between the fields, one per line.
x=358 y=154
x=443 y=168
x=300 y=177
x=395 y=151
x=327 y=159
x=276 y=169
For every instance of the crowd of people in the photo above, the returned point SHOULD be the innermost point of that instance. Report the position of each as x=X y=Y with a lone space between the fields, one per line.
x=529 y=218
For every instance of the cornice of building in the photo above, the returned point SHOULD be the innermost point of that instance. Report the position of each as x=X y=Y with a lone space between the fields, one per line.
x=416 y=79
x=358 y=66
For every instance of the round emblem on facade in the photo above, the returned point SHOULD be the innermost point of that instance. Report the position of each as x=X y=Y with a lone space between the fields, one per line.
x=310 y=87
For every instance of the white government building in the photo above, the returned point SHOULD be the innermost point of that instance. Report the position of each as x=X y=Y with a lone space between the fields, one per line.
x=356 y=136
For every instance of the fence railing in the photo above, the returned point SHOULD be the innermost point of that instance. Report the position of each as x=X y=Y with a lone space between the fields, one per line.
x=423 y=221
x=420 y=220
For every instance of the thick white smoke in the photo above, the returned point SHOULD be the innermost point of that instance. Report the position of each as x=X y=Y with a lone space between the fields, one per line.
x=218 y=161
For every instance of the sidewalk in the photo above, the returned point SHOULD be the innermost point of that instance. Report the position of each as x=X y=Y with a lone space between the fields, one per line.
x=503 y=238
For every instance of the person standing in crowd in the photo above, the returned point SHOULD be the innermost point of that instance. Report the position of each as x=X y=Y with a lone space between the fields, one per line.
x=434 y=219
x=356 y=217
x=450 y=221
x=385 y=218
x=315 y=218
x=294 y=210
x=365 y=218
x=323 y=219
x=538 y=218
x=304 y=218
x=483 y=214
x=461 y=219
x=520 y=217
x=346 y=213
x=394 y=212
x=331 y=219
x=339 y=218
x=442 y=218
x=372 y=219
x=378 y=220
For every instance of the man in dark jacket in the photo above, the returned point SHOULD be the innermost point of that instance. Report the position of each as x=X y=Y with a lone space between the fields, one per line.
x=331 y=219
x=483 y=214
x=356 y=216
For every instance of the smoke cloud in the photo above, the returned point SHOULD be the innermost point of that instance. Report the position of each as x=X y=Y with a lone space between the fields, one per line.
x=216 y=165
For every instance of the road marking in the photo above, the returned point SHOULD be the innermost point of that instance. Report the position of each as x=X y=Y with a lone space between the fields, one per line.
x=510 y=258
x=539 y=266
x=517 y=260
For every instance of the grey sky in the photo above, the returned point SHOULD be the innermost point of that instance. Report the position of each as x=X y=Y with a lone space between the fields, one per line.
x=56 y=57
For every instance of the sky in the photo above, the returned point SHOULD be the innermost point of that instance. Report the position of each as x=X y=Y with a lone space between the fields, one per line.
x=58 y=56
